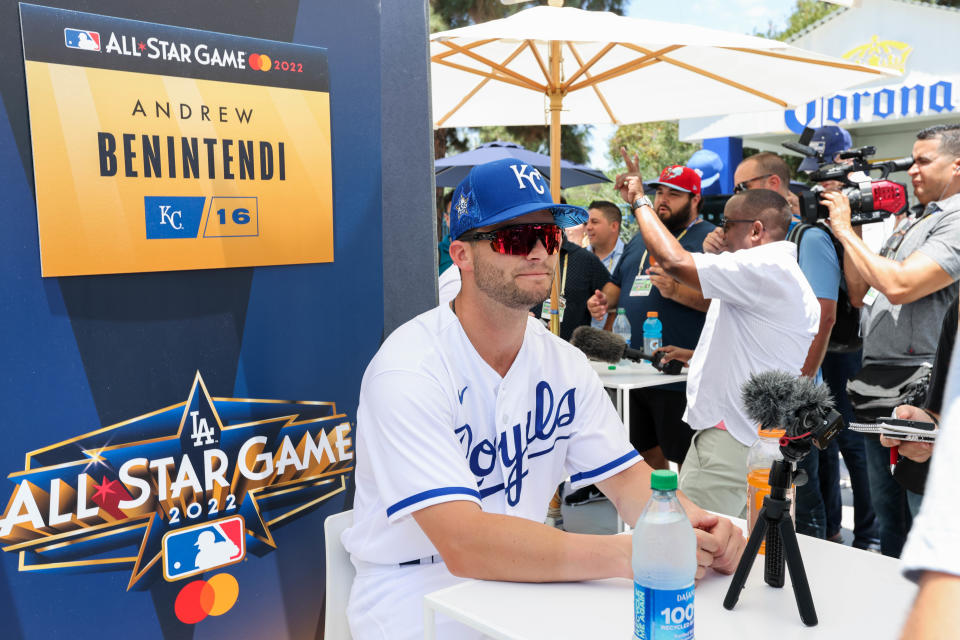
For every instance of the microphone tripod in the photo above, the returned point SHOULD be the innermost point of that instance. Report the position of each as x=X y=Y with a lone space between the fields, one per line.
x=781 y=538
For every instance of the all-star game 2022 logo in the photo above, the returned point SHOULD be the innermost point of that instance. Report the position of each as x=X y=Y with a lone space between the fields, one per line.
x=183 y=491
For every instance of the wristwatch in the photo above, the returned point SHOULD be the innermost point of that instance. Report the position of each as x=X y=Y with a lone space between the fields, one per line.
x=642 y=201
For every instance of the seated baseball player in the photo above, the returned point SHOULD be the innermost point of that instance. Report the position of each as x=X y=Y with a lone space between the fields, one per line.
x=472 y=413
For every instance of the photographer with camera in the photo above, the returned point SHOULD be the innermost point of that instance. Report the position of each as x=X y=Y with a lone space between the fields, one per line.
x=905 y=291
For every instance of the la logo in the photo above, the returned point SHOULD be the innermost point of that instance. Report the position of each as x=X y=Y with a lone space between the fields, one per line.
x=531 y=175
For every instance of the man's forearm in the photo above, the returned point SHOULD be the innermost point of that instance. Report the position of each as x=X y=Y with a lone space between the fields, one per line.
x=665 y=249
x=489 y=546
x=935 y=613
x=818 y=348
x=690 y=297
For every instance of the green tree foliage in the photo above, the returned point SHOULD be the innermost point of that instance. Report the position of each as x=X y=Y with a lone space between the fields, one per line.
x=807 y=12
x=657 y=143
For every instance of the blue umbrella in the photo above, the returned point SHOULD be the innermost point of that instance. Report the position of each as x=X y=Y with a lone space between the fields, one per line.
x=450 y=171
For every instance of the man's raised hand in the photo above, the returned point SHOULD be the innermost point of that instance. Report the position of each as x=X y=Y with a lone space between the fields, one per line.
x=629 y=192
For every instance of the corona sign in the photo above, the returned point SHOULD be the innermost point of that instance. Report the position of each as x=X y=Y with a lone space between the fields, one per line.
x=184 y=490
x=881 y=103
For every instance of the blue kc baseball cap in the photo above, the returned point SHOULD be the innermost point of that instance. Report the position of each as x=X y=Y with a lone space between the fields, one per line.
x=502 y=190
x=829 y=140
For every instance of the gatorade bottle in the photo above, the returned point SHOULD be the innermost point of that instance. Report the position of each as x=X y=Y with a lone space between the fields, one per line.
x=621 y=326
x=652 y=333
x=759 y=459
x=664 y=565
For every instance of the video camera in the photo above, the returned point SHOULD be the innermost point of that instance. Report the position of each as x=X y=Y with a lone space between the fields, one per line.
x=871 y=200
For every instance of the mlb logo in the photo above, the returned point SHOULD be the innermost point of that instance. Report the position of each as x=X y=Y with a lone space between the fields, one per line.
x=203 y=547
x=81 y=39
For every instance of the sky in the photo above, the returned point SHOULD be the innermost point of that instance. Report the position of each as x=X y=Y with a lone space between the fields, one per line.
x=741 y=16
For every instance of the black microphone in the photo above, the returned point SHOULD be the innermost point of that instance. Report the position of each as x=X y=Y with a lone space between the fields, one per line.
x=605 y=346
x=777 y=399
x=767 y=397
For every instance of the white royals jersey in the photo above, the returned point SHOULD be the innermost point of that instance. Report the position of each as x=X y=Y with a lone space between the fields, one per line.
x=436 y=423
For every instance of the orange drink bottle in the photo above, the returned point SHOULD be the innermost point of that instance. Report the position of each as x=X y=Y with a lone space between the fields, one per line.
x=759 y=460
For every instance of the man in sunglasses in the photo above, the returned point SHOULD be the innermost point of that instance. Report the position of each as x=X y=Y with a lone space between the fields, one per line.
x=472 y=413
x=818 y=261
x=762 y=317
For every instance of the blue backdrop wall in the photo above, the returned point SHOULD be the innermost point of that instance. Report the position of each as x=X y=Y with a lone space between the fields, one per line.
x=89 y=351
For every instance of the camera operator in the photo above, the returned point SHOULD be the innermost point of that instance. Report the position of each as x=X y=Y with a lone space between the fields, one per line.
x=905 y=292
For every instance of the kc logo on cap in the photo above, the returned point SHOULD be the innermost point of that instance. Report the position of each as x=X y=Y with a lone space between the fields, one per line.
x=504 y=189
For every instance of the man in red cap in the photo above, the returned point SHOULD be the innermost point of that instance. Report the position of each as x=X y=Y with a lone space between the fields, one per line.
x=638 y=286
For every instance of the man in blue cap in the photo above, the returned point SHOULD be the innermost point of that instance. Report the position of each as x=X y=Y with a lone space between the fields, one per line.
x=472 y=413
x=829 y=141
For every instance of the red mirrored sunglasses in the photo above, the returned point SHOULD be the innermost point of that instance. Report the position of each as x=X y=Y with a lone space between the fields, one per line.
x=519 y=239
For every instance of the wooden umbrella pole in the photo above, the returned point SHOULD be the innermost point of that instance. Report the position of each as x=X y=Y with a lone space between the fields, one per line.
x=556 y=103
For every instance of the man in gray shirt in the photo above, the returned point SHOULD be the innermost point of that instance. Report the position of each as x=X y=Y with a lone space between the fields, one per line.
x=905 y=292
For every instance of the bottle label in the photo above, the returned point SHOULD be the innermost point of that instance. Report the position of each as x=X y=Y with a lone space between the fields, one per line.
x=651 y=344
x=662 y=614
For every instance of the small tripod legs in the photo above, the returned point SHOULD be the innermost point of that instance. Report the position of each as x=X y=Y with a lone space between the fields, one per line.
x=774 y=521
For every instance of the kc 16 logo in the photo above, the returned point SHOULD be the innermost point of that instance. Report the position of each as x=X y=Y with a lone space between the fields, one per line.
x=181 y=491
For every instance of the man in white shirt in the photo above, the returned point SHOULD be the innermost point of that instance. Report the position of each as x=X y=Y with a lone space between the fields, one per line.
x=469 y=416
x=763 y=316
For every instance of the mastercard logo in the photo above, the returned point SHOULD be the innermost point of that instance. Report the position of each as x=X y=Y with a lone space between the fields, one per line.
x=202 y=598
x=259 y=61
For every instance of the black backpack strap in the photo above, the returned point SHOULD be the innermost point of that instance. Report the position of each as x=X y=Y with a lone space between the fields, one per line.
x=796 y=235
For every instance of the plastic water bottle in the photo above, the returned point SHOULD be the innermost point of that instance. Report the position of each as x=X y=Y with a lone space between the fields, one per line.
x=664 y=565
x=652 y=333
x=621 y=326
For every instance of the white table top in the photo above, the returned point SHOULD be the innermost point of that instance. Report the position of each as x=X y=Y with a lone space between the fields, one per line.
x=633 y=376
x=857 y=594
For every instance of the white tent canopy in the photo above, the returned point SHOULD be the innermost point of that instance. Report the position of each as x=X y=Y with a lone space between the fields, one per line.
x=618 y=70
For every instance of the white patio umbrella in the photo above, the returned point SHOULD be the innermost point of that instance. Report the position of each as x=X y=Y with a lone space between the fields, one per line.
x=561 y=65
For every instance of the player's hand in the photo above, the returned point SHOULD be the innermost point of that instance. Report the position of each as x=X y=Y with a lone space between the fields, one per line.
x=714 y=242
x=839 y=207
x=627 y=184
x=666 y=284
x=597 y=305
x=675 y=353
x=719 y=543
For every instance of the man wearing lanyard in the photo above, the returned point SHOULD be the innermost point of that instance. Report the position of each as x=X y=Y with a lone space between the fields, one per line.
x=657 y=429
x=905 y=292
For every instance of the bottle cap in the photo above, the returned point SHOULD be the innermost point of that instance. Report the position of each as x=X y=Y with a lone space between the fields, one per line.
x=663 y=480
x=652 y=314
x=771 y=433
x=621 y=311
x=611 y=367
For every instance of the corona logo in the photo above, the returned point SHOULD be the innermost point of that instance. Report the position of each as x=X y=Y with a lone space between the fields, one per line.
x=177 y=492
x=887 y=54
